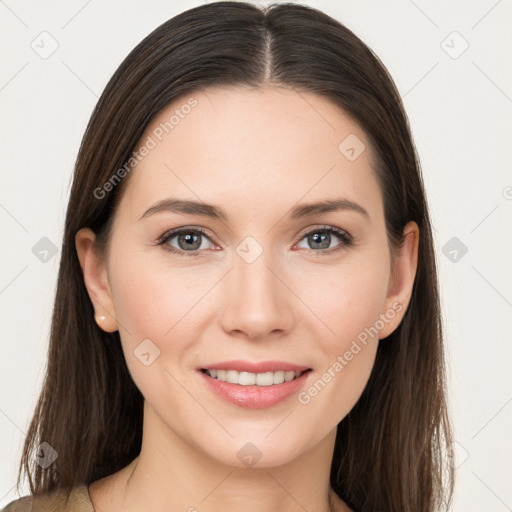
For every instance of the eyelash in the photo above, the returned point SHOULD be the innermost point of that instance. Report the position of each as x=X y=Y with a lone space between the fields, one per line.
x=346 y=240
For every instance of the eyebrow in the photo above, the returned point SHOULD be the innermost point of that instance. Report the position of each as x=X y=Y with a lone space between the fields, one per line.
x=189 y=207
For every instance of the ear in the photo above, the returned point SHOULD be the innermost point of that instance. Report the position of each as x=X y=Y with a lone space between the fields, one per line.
x=96 y=280
x=401 y=281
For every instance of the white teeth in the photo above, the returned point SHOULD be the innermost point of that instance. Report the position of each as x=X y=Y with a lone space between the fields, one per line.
x=279 y=377
x=245 y=378
x=251 y=379
x=232 y=376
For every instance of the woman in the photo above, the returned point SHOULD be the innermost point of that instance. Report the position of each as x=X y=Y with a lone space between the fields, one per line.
x=247 y=306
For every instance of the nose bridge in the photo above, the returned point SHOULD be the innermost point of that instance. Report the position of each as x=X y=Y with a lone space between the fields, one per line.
x=252 y=264
x=256 y=302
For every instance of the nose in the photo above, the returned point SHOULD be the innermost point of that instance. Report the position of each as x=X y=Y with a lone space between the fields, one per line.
x=256 y=301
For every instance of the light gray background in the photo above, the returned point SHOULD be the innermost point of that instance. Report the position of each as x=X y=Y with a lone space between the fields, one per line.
x=460 y=113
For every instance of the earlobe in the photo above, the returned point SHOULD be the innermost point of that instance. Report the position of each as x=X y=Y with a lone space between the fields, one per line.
x=96 y=280
x=402 y=279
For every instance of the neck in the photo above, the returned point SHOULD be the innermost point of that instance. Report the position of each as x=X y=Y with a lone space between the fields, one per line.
x=171 y=473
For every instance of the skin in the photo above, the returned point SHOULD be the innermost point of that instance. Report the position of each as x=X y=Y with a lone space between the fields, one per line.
x=256 y=154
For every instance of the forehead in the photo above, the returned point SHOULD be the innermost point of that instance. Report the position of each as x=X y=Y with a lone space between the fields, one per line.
x=252 y=148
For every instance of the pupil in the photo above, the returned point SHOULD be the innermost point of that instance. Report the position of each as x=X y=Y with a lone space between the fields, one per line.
x=189 y=240
x=321 y=238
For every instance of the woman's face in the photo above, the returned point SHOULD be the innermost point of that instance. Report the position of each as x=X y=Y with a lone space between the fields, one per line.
x=256 y=276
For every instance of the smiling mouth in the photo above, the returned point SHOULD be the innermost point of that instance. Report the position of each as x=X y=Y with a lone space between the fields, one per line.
x=254 y=379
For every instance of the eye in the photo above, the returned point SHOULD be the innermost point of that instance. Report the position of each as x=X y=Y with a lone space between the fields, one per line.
x=187 y=241
x=192 y=241
x=321 y=238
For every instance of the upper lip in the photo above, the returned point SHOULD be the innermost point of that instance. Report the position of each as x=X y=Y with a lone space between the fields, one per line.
x=261 y=367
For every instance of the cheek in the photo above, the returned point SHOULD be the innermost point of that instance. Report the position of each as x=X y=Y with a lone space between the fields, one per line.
x=348 y=299
x=151 y=299
x=155 y=302
x=166 y=304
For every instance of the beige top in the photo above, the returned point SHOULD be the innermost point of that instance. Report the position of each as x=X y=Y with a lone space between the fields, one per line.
x=78 y=500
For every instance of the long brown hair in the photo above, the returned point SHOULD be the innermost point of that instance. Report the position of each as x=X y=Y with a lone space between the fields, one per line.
x=390 y=449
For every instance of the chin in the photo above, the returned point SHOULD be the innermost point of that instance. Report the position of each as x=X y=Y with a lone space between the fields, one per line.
x=257 y=452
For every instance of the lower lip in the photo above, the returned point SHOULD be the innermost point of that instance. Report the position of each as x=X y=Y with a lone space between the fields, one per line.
x=255 y=397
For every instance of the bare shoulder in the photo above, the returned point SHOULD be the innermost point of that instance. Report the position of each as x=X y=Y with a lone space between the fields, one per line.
x=61 y=500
